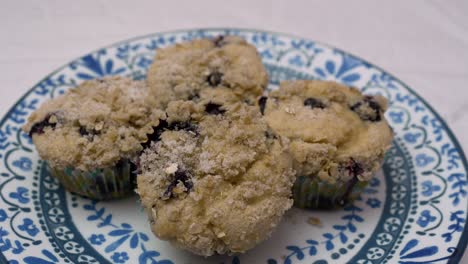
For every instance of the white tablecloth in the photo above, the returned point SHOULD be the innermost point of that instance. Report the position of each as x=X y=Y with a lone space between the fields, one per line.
x=424 y=43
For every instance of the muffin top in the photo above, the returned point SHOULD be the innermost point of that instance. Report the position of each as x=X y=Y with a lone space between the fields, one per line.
x=215 y=179
x=93 y=125
x=335 y=131
x=224 y=65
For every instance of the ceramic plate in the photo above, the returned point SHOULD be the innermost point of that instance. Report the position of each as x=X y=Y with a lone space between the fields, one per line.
x=414 y=210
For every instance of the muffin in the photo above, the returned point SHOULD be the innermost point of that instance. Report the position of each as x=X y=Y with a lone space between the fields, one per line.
x=90 y=135
x=215 y=180
x=225 y=66
x=338 y=138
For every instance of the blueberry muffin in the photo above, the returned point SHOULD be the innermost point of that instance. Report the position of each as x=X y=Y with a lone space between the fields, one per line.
x=338 y=138
x=225 y=65
x=215 y=180
x=90 y=135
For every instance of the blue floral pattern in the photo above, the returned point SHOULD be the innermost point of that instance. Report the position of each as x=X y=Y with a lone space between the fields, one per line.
x=23 y=163
x=410 y=253
x=425 y=175
x=29 y=226
x=423 y=159
x=428 y=188
x=95 y=66
x=374 y=203
x=457 y=219
x=344 y=72
x=3 y=215
x=118 y=236
x=458 y=187
x=425 y=218
x=120 y=257
x=97 y=239
x=21 y=195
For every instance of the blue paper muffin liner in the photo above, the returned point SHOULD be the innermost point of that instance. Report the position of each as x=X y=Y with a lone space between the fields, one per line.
x=100 y=184
x=314 y=193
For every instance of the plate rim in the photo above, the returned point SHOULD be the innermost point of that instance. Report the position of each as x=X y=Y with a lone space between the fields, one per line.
x=463 y=241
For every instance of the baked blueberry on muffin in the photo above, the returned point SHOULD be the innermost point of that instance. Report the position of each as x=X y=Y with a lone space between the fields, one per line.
x=215 y=180
x=225 y=65
x=90 y=135
x=338 y=138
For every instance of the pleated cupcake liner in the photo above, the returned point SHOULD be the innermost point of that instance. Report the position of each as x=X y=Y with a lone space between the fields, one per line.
x=314 y=193
x=100 y=184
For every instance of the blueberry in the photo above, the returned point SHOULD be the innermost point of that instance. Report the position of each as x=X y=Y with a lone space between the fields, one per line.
x=214 y=79
x=354 y=168
x=38 y=128
x=314 y=103
x=368 y=109
x=179 y=176
x=156 y=135
x=88 y=133
x=83 y=131
x=186 y=126
x=270 y=134
x=193 y=96
x=214 y=109
x=163 y=126
x=219 y=41
x=262 y=103
x=247 y=102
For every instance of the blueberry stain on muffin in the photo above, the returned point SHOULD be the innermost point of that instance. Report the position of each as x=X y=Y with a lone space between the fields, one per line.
x=354 y=168
x=194 y=96
x=214 y=109
x=180 y=177
x=262 y=103
x=164 y=126
x=84 y=132
x=38 y=128
x=215 y=78
x=186 y=126
x=368 y=109
x=270 y=134
x=156 y=135
x=314 y=103
x=219 y=41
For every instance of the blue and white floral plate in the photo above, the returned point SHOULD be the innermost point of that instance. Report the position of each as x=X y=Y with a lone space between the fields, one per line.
x=414 y=210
